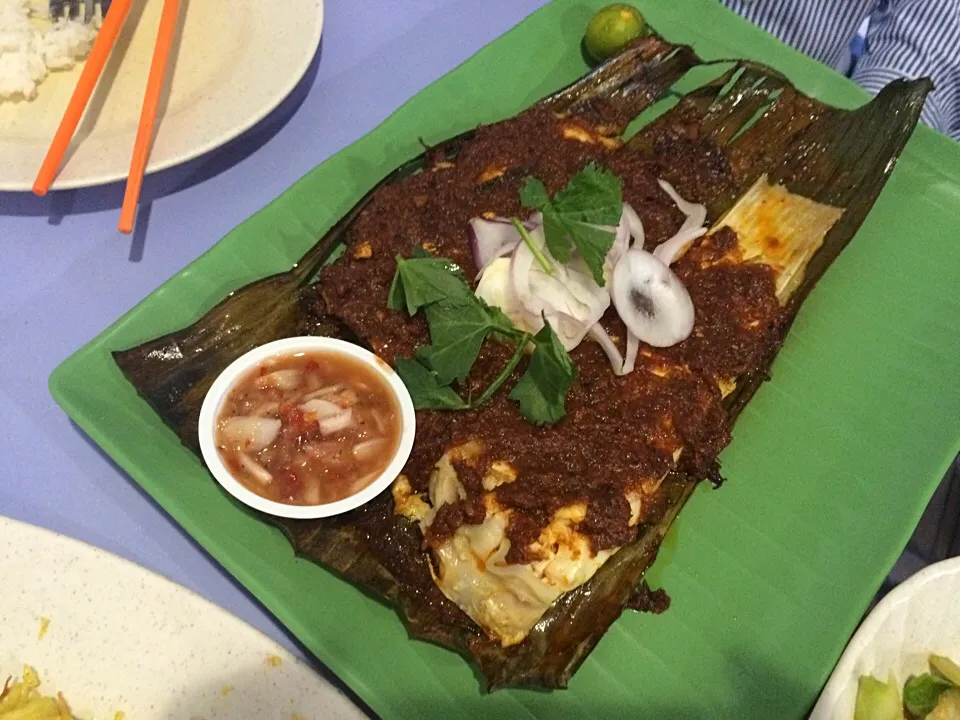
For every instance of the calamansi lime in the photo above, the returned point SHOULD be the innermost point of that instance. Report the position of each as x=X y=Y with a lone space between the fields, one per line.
x=611 y=28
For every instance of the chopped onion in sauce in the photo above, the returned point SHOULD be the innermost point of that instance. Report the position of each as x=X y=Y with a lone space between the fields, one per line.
x=323 y=392
x=346 y=398
x=320 y=408
x=336 y=423
x=309 y=428
x=311 y=494
x=270 y=408
x=251 y=433
x=368 y=449
x=281 y=379
x=255 y=469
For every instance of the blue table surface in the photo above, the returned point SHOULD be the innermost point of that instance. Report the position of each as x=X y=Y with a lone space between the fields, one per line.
x=67 y=273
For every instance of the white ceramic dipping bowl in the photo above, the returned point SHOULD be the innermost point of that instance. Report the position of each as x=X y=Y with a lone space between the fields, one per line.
x=213 y=402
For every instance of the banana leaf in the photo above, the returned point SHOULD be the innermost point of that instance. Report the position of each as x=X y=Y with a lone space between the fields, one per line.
x=765 y=126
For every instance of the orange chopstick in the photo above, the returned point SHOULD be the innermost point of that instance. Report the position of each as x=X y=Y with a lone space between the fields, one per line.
x=148 y=114
x=89 y=77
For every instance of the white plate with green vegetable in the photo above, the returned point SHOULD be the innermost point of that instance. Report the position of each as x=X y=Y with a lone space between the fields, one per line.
x=889 y=662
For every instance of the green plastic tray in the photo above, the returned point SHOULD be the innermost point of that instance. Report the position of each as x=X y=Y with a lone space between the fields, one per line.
x=830 y=468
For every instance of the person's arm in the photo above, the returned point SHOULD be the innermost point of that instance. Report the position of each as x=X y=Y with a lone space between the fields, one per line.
x=916 y=38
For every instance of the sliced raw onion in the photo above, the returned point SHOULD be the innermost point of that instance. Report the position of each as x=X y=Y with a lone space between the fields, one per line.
x=696 y=213
x=492 y=239
x=521 y=265
x=249 y=432
x=336 y=423
x=634 y=225
x=569 y=290
x=268 y=408
x=496 y=289
x=630 y=359
x=321 y=408
x=651 y=300
x=258 y=471
x=648 y=295
x=570 y=330
x=609 y=347
x=692 y=228
x=628 y=232
x=582 y=287
x=347 y=398
x=671 y=251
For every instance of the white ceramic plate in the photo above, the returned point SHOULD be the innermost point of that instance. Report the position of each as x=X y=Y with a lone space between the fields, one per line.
x=236 y=61
x=121 y=638
x=918 y=617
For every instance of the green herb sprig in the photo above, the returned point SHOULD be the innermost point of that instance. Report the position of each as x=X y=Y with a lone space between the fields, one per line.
x=459 y=323
x=593 y=197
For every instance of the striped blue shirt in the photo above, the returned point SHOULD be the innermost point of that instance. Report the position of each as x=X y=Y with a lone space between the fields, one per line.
x=906 y=38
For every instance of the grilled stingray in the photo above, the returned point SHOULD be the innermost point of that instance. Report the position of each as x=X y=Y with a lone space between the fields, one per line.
x=520 y=546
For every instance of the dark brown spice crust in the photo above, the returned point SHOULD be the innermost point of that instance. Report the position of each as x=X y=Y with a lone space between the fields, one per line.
x=620 y=433
x=646 y=599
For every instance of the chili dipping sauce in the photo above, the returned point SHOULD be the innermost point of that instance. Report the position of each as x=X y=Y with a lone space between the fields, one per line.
x=309 y=428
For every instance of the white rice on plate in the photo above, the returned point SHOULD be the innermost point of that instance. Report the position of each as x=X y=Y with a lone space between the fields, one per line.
x=32 y=45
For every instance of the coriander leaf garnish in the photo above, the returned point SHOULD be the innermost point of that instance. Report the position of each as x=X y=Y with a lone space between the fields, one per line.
x=457 y=330
x=425 y=391
x=534 y=248
x=396 y=298
x=459 y=324
x=593 y=197
x=421 y=281
x=534 y=194
x=594 y=244
x=543 y=388
x=505 y=373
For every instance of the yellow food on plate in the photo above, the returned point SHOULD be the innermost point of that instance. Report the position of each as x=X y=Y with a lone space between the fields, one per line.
x=21 y=700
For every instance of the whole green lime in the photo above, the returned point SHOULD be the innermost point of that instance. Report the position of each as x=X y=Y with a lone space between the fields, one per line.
x=611 y=28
